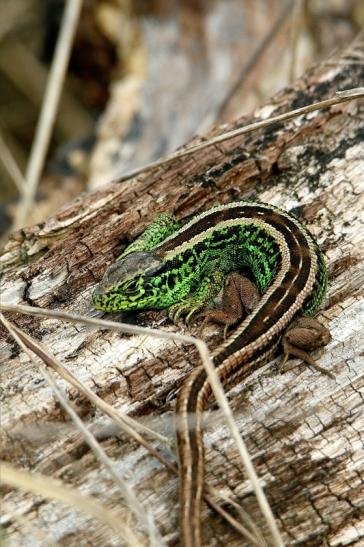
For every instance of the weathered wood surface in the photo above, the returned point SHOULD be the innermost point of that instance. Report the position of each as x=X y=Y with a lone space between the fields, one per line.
x=305 y=431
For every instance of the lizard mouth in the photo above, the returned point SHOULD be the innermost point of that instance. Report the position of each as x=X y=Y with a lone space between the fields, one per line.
x=113 y=303
x=130 y=295
x=99 y=301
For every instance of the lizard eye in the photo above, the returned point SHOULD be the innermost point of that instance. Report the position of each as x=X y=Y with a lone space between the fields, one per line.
x=130 y=287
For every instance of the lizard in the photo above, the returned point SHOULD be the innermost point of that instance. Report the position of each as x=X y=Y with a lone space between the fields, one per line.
x=183 y=269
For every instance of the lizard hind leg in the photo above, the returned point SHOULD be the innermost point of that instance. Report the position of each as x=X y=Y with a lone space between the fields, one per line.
x=240 y=295
x=302 y=335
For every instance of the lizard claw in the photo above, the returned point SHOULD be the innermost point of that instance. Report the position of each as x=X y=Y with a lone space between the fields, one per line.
x=191 y=314
x=176 y=311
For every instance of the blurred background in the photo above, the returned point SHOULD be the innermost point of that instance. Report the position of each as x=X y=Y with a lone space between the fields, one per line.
x=143 y=77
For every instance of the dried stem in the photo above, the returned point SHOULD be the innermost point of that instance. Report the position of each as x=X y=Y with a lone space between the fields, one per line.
x=340 y=97
x=49 y=108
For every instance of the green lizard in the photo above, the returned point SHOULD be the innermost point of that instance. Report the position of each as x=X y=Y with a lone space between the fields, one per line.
x=184 y=268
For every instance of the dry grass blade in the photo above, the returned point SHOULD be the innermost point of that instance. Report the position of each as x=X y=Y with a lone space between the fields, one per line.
x=98 y=323
x=254 y=536
x=220 y=397
x=215 y=383
x=142 y=514
x=11 y=166
x=296 y=27
x=340 y=97
x=246 y=518
x=127 y=424
x=54 y=490
x=252 y=62
x=49 y=108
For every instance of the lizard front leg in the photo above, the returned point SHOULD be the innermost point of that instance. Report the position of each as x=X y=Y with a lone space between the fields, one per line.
x=208 y=289
x=162 y=226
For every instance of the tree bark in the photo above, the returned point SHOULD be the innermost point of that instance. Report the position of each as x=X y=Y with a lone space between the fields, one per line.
x=305 y=432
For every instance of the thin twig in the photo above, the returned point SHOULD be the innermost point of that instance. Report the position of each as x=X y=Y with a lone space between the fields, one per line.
x=246 y=517
x=49 y=107
x=254 y=537
x=126 y=424
x=139 y=511
x=11 y=166
x=295 y=30
x=252 y=61
x=340 y=97
x=99 y=323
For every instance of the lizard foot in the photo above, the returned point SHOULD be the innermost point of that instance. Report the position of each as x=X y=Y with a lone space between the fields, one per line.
x=303 y=335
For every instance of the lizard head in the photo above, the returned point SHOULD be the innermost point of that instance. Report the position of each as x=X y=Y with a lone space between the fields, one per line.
x=131 y=283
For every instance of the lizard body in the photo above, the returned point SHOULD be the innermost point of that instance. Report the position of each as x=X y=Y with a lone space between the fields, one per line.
x=184 y=268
